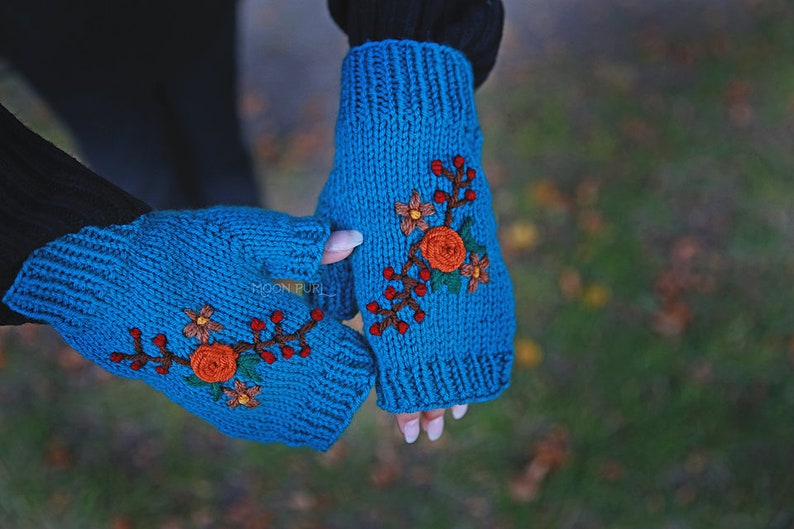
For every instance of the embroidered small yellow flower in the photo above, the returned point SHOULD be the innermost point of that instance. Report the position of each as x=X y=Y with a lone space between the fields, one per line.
x=413 y=213
x=476 y=271
x=200 y=323
x=242 y=395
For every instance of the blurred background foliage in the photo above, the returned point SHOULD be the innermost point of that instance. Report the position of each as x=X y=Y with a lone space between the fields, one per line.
x=641 y=158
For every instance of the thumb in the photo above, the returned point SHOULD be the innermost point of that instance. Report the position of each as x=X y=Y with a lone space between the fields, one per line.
x=341 y=244
x=280 y=246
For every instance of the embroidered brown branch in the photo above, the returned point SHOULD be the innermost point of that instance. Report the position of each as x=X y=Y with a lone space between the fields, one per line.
x=215 y=363
x=443 y=250
x=279 y=337
x=140 y=358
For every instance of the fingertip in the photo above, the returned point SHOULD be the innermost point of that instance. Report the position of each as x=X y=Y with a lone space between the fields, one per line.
x=459 y=410
x=334 y=256
x=341 y=244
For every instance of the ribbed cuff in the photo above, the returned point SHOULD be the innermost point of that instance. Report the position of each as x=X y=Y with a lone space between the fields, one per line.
x=443 y=382
x=403 y=80
x=61 y=282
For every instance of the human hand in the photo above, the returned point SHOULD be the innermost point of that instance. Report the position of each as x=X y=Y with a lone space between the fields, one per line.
x=433 y=290
x=184 y=301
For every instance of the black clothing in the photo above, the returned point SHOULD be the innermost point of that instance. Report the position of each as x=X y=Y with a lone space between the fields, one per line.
x=147 y=87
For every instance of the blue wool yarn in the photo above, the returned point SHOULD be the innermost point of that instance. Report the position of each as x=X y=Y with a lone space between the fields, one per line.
x=429 y=280
x=184 y=301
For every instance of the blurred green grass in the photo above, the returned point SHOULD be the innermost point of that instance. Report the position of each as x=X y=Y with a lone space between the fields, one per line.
x=646 y=200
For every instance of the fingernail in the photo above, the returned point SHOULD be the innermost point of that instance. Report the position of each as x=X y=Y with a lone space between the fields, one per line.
x=411 y=431
x=343 y=240
x=435 y=428
x=459 y=410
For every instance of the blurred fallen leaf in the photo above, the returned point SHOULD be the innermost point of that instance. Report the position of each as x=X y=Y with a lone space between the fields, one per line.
x=528 y=353
x=302 y=501
x=546 y=194
x=550 y=453
x=672 y=319
x=570 y=283
x=120 y=522
x=591 y=222
x=70 y=360
x=637 y=130
x=247 y=513
x=685 y=494
x=587 y=192
x=702 y=372
x=596 y=296
x=59 y=455
x=611 y=470
x=388 y=467
x=520 y=236
x=335 y=455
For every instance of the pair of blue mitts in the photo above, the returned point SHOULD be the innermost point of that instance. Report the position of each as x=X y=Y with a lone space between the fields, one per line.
x=177 y=298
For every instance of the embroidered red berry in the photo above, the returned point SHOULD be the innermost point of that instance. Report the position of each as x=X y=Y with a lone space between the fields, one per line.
x=135 y=332
x=458 y=161
x=136 y=365
x=436 y=166
x=424 y=274
x=161 y=370
x=470 y=174
x=402 y=327
x=277 y=316
x=419 y=316
x=305 y=351
x=439 y=196
x=116 y=357
x=373 y=307
x=420 y=289
x=268 y=357
x=287 y=351
x=317 y=315
x=390 y=292
x=257 y=325
x=388 y=272
x=374 y=330
x=469 y=194
x=159 y=340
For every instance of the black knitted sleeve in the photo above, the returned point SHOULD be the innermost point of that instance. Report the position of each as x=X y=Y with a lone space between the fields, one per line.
x=44 y=194
x=471 y=26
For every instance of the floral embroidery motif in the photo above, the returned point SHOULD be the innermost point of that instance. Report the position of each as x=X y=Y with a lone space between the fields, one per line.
x=476 y=271
x=216 y=363
x=200 y=323
x=242 y=395
x=439 y=256
x=413 y=213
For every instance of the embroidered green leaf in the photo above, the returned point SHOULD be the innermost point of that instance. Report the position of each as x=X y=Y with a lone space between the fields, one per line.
x=194 y=381
x=450 y=279
x=468 y=239
x=247 y=361
x=216 y=390
x=453 y=282
x=246 y=367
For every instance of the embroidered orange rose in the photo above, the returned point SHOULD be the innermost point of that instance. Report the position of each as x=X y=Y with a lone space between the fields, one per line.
x=443 y=248
x=214 y=362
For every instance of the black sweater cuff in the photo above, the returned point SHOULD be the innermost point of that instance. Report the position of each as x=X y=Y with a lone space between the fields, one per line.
x=471 y=26
x=46 y=194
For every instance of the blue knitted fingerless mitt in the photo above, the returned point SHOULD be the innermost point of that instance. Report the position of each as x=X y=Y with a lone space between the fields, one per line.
x=183 y=301
x=430 y=282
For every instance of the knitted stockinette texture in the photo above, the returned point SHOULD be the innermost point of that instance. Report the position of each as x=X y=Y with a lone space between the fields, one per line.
x=429 y=280
x=183 y=301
